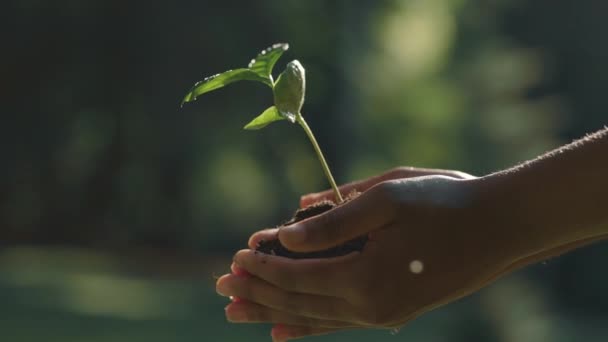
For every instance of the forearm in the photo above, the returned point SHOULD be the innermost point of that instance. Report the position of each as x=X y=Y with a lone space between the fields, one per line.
x=559 y=201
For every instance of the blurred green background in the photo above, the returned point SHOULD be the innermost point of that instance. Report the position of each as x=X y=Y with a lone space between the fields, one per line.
x=118 y=208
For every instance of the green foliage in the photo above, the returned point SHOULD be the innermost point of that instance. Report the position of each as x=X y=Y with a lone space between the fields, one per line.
x=265 y=61
x=288 y=94
x=259 y=69
x=271 y=114
x=289 y=90
x=220 y=80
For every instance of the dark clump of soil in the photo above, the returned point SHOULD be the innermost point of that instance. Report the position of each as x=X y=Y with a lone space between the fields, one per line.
x=275 y=247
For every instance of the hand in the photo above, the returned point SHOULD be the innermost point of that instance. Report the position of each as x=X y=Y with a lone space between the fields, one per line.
x=431 y=240
x=429 y=245
x=363 y=185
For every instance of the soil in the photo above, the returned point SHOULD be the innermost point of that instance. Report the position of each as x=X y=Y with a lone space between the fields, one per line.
x=275 y=247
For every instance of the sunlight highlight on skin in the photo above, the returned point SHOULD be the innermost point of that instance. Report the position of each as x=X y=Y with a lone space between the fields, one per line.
x=436 y=190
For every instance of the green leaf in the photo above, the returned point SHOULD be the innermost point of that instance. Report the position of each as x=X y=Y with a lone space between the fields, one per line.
x=289 y=90
x=259 y=69
x=218 y=81
x=265 y=61
x=269 y=115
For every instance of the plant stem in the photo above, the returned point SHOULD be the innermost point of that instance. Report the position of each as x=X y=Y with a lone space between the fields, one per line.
x=330 y=178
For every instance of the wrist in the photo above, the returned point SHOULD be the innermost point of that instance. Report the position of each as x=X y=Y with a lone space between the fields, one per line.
x=542 y=209
x=505 y=217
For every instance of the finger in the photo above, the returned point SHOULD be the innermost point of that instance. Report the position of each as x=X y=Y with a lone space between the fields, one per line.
x=281 y=333
x=366 y=213
x=258 y=291
x=360 y=185
x=363 y=185
x=263 y=235
x=237 y=270
x=248 y=312
x=327 y=277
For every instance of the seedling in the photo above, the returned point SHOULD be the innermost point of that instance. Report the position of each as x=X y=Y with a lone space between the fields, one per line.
x=288 y=91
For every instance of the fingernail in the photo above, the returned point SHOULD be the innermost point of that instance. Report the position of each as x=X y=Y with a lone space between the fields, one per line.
x=279 y=333
x=236 y=270
x=219 y=290
x=235 y=315
x=295 y=233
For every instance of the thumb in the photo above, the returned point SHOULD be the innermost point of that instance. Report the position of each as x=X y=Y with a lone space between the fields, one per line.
x=357 y=217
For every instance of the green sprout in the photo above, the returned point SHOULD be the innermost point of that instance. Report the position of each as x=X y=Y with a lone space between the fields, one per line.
x=288 y=91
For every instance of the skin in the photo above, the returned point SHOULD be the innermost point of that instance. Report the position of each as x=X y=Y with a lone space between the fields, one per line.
x=465 y=231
